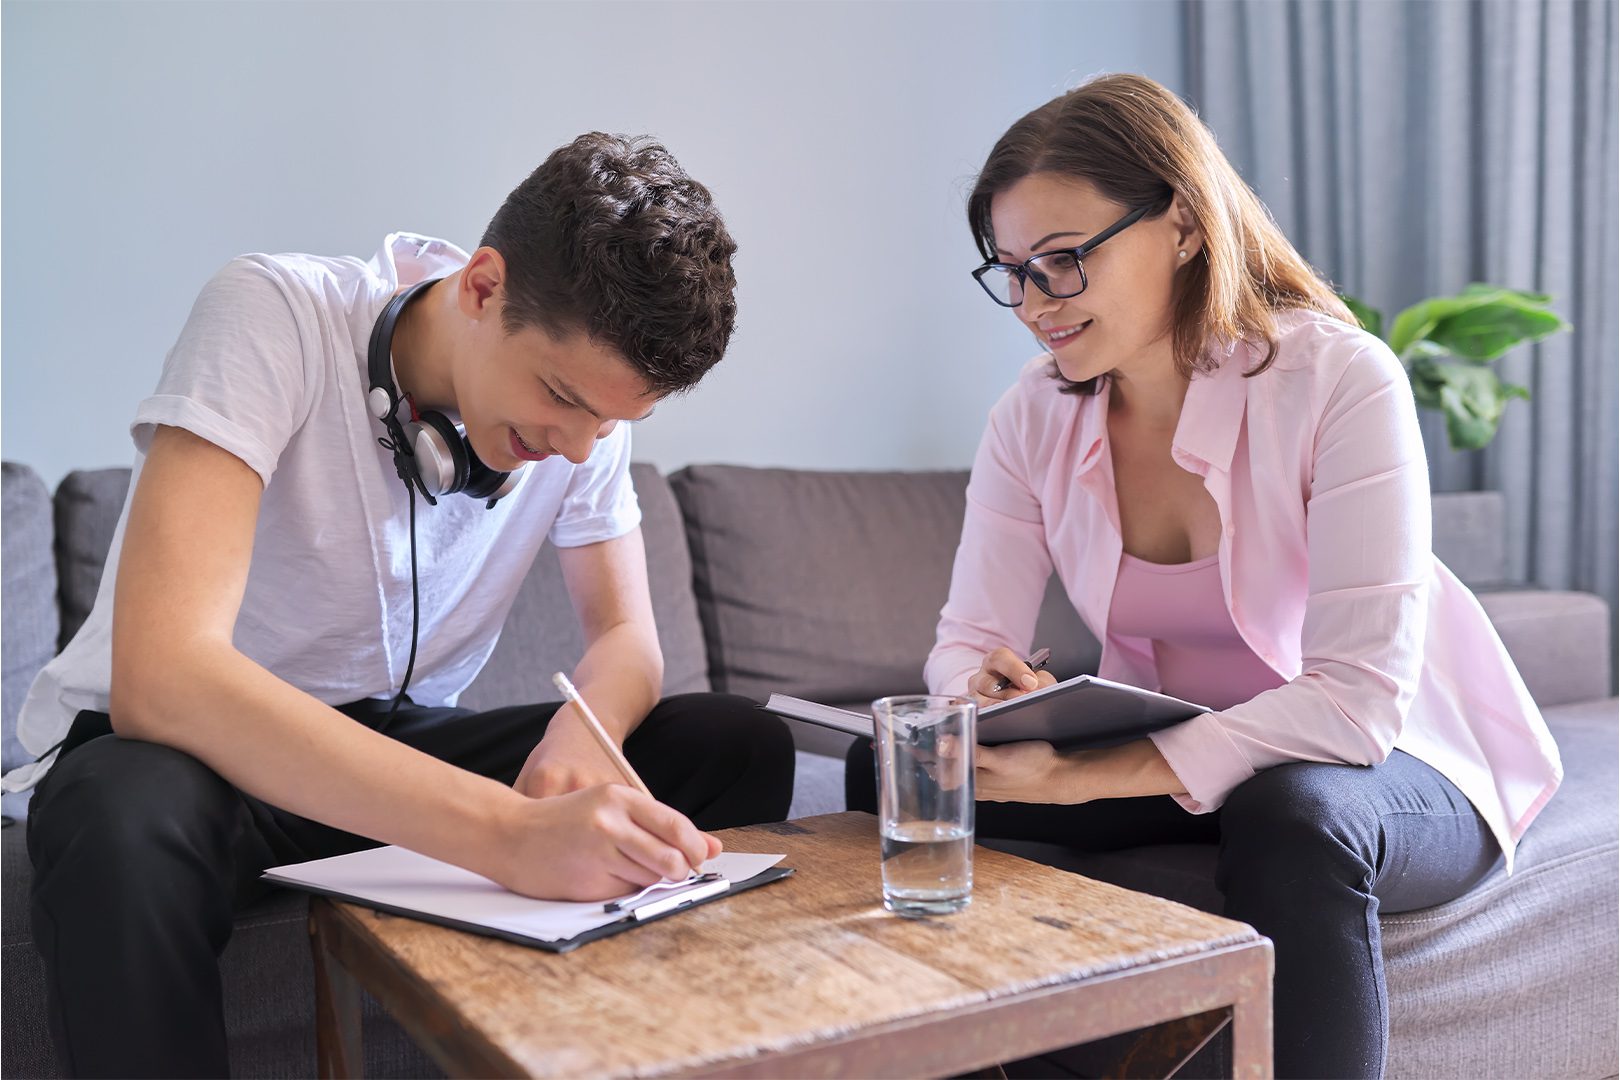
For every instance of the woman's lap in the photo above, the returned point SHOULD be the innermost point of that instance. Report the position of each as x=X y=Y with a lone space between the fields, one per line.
x=1310 y=855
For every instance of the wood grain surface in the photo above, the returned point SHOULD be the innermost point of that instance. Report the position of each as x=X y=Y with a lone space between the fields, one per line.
x=810 y=976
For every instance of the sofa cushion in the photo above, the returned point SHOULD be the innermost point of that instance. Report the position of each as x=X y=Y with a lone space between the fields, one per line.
x=88 y=505
x=542 y=635
x=828 y=585
x=1559 y=641
x=267 y=975
x=1517 y=977
x=31 y=624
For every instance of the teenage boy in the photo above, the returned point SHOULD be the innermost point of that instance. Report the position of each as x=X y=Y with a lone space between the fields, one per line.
x=238 y=697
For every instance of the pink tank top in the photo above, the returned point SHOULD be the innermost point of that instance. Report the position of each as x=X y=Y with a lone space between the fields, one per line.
x=1199 y=653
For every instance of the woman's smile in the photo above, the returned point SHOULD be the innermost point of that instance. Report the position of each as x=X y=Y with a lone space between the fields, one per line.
x=1058 y=336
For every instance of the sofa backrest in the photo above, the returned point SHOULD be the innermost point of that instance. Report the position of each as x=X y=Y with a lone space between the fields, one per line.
x=29 y=623
x=827 y=585
x=542 y=635
x=47 y=598
x=88 y=505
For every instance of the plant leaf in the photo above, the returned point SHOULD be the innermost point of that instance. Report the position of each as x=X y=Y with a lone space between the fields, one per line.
x=1426 y=349
x=1371 y=319
x=1464 y=429
x=1490 y=329
x=1428 y=379
x=1414 y=324
x=1511 y=310
x=1472 y=399
x=1480 y=288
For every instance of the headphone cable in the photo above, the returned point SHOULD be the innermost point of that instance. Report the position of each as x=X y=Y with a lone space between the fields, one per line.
x=416 y=609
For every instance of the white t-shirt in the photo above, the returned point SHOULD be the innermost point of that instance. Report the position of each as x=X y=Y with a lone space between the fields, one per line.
x=271 y=366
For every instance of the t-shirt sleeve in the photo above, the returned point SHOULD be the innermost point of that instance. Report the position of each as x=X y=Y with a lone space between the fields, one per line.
x=600 y=503
x=239 y=375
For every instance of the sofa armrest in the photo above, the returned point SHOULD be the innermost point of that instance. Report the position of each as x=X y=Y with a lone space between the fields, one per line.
x=1558 y=640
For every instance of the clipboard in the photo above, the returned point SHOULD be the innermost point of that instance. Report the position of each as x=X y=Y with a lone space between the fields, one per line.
x=401 y=882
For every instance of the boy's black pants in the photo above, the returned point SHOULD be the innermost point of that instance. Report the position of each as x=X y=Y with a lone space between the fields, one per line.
x=142 y=854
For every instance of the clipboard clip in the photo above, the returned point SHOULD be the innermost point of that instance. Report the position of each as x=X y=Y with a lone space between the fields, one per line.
x=663 y=896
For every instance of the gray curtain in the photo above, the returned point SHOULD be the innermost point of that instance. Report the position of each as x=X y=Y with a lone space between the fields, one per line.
x=1409 y=148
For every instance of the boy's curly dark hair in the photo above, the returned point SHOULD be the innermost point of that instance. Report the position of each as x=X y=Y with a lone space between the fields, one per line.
x=611 y=237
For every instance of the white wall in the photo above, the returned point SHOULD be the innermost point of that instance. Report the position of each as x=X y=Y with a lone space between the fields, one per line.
x=144 y=144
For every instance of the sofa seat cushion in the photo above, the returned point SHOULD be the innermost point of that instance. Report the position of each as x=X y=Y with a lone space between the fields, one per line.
x=1517 y=977
x=818 y=785
x=268 y=978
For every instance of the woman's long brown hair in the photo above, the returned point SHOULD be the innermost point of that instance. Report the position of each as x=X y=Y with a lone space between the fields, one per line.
x=1139 y=144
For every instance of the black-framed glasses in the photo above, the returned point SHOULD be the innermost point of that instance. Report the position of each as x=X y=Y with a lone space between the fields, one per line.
x=1059 y=274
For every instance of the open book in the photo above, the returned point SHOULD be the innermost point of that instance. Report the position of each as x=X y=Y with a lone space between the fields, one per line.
x=1082 y=711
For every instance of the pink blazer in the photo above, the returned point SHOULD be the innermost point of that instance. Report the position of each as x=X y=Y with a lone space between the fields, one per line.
x=1319 y=474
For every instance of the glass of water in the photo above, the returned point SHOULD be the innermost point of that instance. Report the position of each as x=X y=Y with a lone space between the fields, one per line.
x=925 y=801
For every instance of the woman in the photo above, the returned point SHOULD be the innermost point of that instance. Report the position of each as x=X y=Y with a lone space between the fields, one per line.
x=1226 y=474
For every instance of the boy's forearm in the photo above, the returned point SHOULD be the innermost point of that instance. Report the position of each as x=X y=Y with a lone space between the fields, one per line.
x=278 y=744
x=621 y=676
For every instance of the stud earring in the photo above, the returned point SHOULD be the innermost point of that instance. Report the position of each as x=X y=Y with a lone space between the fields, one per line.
x=1183 y=254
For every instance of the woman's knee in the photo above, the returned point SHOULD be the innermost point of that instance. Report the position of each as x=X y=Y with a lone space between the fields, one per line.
x=1298 y=816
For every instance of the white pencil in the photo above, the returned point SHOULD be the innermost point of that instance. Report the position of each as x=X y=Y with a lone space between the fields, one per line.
x=609 y=747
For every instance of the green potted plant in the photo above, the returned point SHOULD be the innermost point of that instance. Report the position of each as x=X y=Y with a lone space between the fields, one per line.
x=1447 y=344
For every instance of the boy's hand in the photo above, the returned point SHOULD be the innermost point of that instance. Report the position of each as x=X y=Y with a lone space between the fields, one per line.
x=596 y=844
x=567 y=759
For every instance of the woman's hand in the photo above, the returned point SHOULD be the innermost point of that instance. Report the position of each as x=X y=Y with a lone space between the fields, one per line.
x=1034 y=772
x=1025 y=772
x=1004 y=664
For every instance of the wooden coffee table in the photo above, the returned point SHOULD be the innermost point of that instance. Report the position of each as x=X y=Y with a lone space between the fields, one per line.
x=807 y=977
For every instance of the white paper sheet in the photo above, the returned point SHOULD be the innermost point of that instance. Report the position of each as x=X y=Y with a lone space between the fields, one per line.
x=398 y=878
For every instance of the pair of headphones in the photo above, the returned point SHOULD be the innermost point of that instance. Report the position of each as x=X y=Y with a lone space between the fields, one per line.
x=431 y=454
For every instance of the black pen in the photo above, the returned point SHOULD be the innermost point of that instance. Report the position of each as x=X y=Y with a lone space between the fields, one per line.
x=1037 y=660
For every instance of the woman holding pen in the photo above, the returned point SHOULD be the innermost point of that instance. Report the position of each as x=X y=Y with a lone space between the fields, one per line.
x=1226 y=475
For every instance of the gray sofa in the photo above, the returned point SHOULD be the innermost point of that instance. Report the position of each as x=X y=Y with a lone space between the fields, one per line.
x=827 y=585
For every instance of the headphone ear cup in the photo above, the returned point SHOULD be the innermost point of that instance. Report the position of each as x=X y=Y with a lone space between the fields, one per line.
x=441 y=455
x=484 y=482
